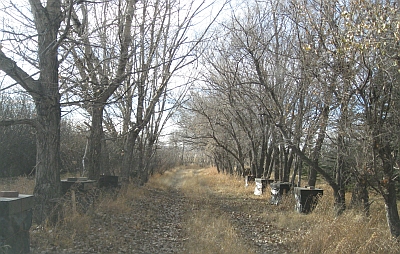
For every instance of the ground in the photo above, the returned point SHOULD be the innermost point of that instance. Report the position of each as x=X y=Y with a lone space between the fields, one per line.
x=181 y=211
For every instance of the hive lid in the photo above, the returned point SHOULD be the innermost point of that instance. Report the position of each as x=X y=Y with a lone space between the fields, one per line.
x=77 y=179
x=9 y=194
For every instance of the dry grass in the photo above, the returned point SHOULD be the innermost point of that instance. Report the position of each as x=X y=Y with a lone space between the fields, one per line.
x=352 y=232
x=209 y=231
x=320 y=231
x=23 y=185
x=63 y=234
x=75 y=224
x=207 y=228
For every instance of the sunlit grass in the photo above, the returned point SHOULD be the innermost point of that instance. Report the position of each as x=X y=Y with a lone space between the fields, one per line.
x=208 y=230
x=211 y=233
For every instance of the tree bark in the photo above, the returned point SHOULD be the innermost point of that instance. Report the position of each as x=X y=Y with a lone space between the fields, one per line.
x=387 y=184
x=45 y=93
x=340 y=159
x=48 y=185
x=275 y=161
x=312 y=163
x=312 y=177
x=105 y=88
x=263 y=154
x=360 y=195
x=127 y=161
x=94 y=152
x=392 y=213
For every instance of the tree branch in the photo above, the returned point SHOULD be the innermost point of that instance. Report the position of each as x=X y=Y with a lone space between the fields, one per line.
x=10 y=67
x=31 y=122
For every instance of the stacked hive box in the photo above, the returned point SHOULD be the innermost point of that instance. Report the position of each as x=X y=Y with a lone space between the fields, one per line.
x=15 y=221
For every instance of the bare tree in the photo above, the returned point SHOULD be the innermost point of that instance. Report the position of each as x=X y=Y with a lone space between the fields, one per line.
x=42 y=24
x=237 y=70
x=373 y=32
x=152 y=45
x=165 y=44
x=101 y=65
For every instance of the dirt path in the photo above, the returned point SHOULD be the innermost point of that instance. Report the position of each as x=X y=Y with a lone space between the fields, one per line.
x=175 y=213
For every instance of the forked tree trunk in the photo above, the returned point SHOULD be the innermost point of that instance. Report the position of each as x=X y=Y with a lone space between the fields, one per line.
x=47 y=100
x=47 y=124
x=94 y=154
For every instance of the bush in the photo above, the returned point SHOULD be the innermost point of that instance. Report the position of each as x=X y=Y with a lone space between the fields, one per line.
x=17 y=142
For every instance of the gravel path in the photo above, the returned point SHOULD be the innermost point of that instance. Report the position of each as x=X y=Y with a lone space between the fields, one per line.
x=155 y=224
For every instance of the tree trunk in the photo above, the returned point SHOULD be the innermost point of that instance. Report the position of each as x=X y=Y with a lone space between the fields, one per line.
x=360 y=195
x=275 y=161
x=47 y=123
x=140 y=164
x=149 y=154
x=392 y=213
x=298 y=165
x=340 y=204
x=387 y=185
x=48 y=185
x=263 y=154
x=312 y=177
x=105 y=167
x=93 y=157
x=268 y=163
x=127 y=160
x=340 y=201
x=287 y=164
x=47 y=101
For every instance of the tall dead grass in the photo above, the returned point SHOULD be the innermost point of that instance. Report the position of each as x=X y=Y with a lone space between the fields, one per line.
x=320 y=231
x=351 y=232
x=75 y=224
x=209 y=231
